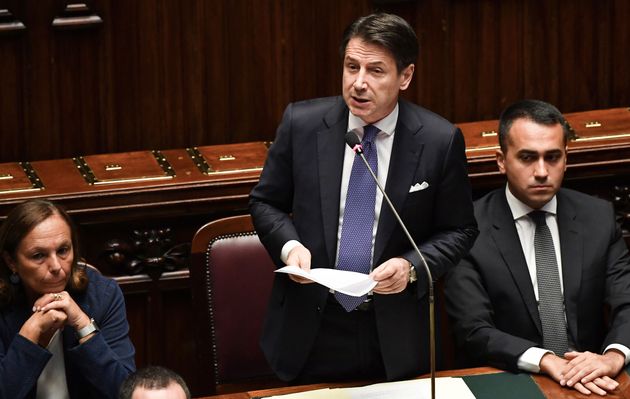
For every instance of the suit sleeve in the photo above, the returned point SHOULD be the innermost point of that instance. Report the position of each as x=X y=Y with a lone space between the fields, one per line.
x=472 y=314
x=454 y=226
x=618 y=287
x=21 y=363
x=107 y=358
x=270 y=202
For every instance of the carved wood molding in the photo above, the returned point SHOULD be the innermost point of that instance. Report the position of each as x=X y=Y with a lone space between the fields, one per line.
x=148 y=251
x=10 y=24
x=77 y=16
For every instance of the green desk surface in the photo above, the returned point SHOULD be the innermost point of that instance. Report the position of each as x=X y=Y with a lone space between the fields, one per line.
x=503 y=385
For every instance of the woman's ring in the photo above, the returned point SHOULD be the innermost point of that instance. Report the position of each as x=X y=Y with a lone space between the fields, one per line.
x=56 y=297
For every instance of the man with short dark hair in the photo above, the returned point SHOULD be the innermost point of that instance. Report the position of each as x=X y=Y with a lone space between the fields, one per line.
x=154 y=382
x=317 y=206
x=531 y=294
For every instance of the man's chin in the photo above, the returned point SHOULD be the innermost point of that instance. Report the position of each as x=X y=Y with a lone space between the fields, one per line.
x=538 y=201
x=366 y=115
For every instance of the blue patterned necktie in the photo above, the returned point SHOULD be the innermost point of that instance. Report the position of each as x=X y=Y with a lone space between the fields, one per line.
x=550 y=299
x=355 y=246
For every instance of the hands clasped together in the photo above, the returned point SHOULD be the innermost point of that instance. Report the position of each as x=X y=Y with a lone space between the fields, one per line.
x=52 y=312
x=586 y=372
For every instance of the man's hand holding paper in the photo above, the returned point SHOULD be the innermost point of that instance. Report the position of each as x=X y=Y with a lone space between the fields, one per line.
x=346 y=282
x=301 y=257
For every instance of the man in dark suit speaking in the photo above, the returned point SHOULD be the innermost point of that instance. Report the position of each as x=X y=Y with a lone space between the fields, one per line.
x=531 y=294
x=316 y=206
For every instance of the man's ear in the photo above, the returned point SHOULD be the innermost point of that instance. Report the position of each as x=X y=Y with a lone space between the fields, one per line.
x=500 y=161
x=406 y=76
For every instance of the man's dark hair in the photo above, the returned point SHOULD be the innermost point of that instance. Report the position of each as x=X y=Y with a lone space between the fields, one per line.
x=388 y=31
x=151 y=377
x=536 y=111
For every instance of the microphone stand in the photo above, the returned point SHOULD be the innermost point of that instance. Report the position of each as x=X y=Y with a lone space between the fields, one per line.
x=359 y=151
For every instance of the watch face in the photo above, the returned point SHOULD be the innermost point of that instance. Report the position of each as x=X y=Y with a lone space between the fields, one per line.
x=412 y=275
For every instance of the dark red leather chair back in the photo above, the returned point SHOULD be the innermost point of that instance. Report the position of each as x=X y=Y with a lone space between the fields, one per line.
x=231 y=275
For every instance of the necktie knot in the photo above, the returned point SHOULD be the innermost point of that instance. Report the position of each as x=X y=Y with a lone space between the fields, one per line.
x=369 y=134
x=538 y=217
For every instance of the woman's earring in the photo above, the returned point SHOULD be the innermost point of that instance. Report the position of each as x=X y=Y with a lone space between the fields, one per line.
x=14 y=278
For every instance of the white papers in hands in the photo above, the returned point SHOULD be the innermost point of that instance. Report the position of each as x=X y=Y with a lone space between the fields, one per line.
x=344 y=281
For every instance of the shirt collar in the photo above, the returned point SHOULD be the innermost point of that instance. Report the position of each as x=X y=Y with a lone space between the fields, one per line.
x=519 y=209
x=386 y=125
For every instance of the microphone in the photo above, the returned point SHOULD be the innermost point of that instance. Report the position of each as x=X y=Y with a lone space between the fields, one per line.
x=353 y=141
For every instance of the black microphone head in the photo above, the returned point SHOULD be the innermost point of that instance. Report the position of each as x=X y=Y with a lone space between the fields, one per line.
x=353 y=141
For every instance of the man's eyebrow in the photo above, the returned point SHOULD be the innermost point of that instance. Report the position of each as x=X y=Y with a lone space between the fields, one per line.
x=371 y=63
x=532 y=152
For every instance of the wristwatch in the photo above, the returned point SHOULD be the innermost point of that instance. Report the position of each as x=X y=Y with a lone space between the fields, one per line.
x=413 y=277
x=87 y=330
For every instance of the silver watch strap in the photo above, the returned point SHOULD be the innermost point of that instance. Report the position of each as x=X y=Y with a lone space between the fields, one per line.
x=87 y=330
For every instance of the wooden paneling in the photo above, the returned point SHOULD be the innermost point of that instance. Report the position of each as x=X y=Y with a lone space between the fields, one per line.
x=165 y=74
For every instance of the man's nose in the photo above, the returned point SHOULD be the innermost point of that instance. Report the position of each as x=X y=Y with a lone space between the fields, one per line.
x=359 y=83
x=540 y=169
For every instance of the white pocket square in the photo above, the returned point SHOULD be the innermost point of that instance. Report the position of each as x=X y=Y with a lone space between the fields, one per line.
x=418 y=187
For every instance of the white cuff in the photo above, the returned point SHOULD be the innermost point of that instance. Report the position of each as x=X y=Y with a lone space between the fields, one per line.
x=286 y=248
x=530 y=359
x=621 y=348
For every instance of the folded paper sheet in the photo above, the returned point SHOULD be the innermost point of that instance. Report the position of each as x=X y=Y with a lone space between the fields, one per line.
x=346 y=282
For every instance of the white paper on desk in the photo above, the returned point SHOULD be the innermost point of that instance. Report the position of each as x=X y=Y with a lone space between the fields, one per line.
x=325 y=393
x=344 y=281
x=445 y=388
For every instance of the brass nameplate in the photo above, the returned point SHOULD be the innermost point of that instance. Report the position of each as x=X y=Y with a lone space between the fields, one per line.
x=204 y=167
x=589 y=125
x=490 y=133
x=90 y=177
x=12 y=183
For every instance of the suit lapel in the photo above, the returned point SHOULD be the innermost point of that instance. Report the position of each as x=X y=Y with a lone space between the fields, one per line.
x=570 y=250
x=506 y=239
x=330 y=152
x=406 y=151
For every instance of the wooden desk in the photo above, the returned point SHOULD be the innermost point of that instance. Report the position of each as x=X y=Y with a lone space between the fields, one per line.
x=548 y=387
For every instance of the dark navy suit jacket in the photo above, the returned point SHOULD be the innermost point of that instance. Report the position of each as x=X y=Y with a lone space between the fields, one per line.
x=94 y=369
x=297 y=198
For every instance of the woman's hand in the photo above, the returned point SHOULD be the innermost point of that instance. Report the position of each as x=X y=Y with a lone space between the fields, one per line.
x=41 y=326
x=62 y=301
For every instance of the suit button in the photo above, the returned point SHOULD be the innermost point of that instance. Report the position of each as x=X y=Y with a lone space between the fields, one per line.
x=319 y=309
